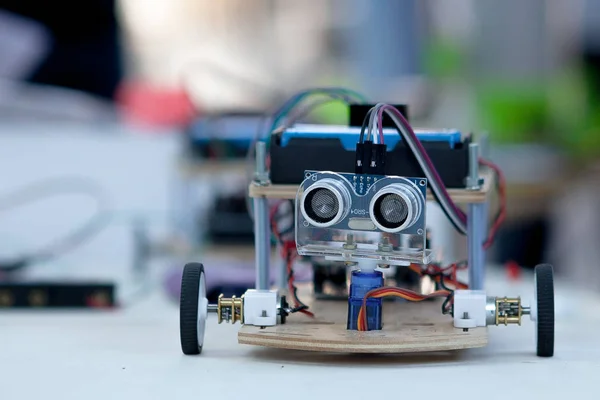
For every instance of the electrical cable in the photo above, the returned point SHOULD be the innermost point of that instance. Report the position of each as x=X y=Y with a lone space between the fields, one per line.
x=443 y=276
x=363 y=128
x=501 y=214
x=452 y=211
x=288 y=250
x=307 y=110
x=386 y=291
x=374 y=119
x=274 y=118
x=54 y=187
x=439 y=274
x=349 y=96
x=457 y=216
x=454 y=214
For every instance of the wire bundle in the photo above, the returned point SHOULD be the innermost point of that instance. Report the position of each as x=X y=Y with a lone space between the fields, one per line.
x=330 y=94
x=452 y=211
x=457 y=217
x=291 y=112
x=442 y=276
x=387 y=291
x=289 y=254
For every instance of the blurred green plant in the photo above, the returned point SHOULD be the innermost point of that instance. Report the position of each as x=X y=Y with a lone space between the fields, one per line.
x=513 y=112
x=443 y=58
x=335 y=112
x=562 y=110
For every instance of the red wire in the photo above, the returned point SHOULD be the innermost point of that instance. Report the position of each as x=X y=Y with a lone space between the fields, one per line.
x=434 y=269
x=385 y=291
x=454 y=269
x=502 y=193
x=292 y=289
x=288 y=252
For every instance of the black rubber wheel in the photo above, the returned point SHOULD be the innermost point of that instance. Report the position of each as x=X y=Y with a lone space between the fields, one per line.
x=188 y=308
x=544 y=289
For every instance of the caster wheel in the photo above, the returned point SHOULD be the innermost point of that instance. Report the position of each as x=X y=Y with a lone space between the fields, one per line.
x=543 y=310
x=193 y=308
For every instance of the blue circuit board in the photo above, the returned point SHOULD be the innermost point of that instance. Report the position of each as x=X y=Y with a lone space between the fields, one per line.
x=363 y=182
x=349 y=136
x=236 y=130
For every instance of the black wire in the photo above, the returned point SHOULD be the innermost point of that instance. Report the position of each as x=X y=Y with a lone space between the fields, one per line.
x=288 y=259
x=443 y=285
x=437 y=199
x=297 y=309
x=301 y=305
x=435 y=195
x=445 y=304
x=363 y=128
x=449 y=297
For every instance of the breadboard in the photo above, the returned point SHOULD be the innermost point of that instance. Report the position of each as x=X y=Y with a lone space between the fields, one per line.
x=408 y=328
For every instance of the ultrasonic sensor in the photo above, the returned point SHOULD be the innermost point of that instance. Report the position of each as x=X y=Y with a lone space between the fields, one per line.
x=395 y=208
x=325 y=203
x=348 y=217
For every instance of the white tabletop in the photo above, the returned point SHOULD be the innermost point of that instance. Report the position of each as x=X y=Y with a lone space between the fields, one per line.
x=134 y=352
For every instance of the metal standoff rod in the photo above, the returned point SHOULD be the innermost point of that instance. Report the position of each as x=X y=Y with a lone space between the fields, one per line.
x=262 y=231
x=473 y=180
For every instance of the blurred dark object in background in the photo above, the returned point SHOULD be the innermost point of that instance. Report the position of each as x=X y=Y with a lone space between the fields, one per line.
x=524 y=243
x=229 y=221
x=84 y=53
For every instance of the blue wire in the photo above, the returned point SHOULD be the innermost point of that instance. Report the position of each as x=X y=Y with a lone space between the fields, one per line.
x=345 y=94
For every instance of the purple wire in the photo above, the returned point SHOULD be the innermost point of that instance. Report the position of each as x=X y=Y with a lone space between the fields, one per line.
x=387 y=107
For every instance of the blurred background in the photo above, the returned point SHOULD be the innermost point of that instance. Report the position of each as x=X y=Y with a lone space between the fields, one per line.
x=148 y=108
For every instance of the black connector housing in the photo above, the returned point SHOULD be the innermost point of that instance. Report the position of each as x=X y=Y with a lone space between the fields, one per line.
x=370 y=158
x=358 y=112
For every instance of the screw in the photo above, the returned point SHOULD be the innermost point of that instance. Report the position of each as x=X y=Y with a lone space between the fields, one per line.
x=350 y=244
x=385 y=244
x=263 y=314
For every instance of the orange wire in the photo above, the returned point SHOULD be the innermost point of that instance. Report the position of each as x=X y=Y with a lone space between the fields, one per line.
x=289 y=253
x=292 y=288
x=393 y=291
x=453 y=281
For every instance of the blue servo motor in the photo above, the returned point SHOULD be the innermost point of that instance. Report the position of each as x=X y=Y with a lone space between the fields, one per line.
x=360 y=284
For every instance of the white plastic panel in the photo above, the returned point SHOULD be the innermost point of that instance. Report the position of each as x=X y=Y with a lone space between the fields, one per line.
x=471 y=302
x=260 y=307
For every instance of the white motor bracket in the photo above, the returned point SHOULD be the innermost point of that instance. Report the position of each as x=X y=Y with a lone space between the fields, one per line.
x=469 y=308
x=260 y=307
